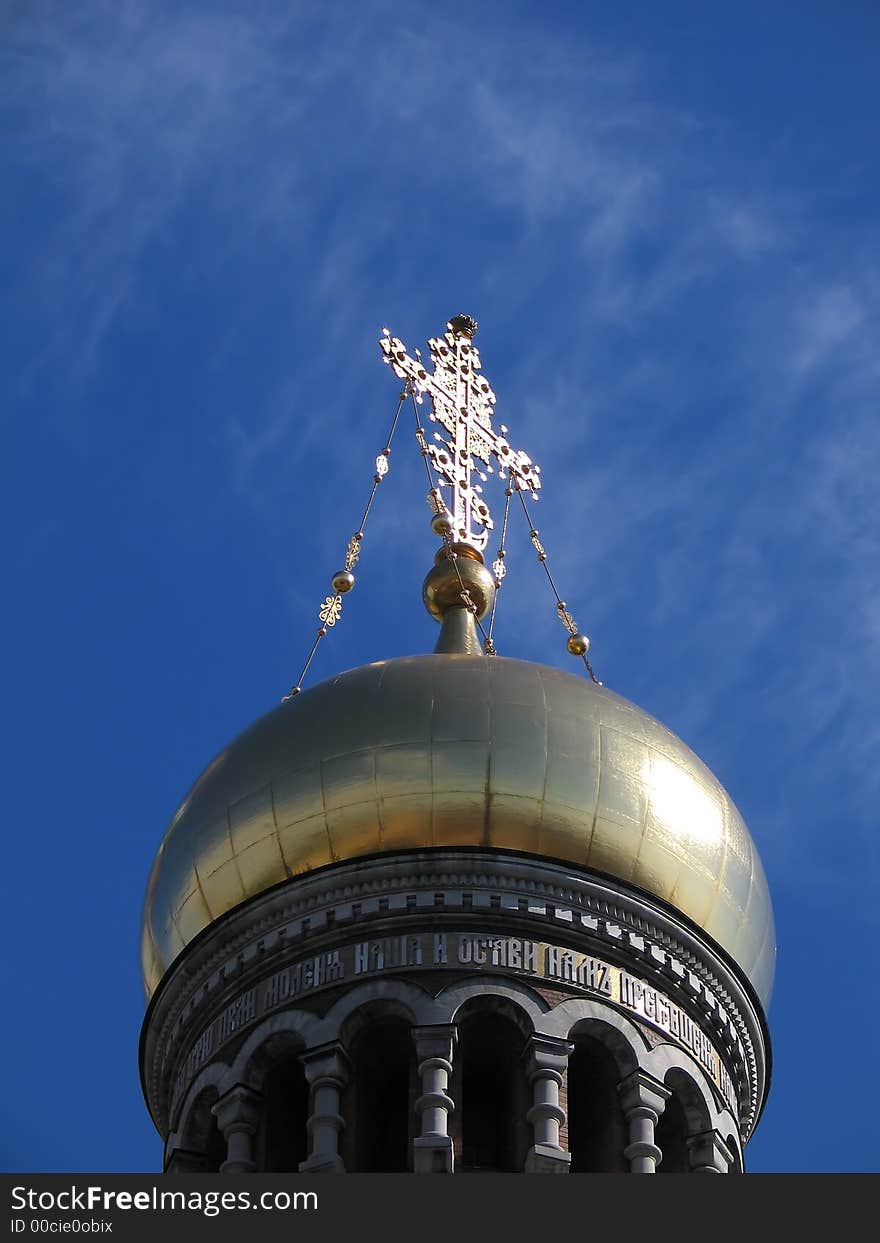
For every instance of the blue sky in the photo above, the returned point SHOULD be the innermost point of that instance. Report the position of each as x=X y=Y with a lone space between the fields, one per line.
x=664 y=218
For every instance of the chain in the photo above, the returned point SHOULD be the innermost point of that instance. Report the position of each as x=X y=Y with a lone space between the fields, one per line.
x=499 y=569
x=578 y=644
x=343 y=580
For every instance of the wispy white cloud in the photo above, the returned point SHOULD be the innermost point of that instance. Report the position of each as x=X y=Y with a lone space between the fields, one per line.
x=697 y=368
x=832 y=319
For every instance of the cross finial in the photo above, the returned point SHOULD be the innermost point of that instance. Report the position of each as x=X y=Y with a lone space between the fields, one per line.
x=464 y=326
x=462 y=401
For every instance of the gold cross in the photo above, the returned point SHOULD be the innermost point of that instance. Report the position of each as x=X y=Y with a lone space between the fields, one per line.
x=462 y=401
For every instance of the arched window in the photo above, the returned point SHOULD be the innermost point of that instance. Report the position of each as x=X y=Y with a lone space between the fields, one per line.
x=670 y=1136
x=596 y=1126
x=202 y=1149
x=381 y=1098
x=686 y=1114
x=285 y=1134
x=736 y=1166
x=492 y=1091
x=276 y=1073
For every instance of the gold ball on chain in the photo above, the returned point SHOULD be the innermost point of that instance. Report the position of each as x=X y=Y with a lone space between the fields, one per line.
x=343 y=581
x=441 y=524
x=578 y=644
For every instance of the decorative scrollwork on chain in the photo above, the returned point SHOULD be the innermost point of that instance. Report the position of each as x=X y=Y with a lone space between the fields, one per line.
x=343 y=580
x=353 y=552
x=566 y=618
x=331 y=610
x=436 y=502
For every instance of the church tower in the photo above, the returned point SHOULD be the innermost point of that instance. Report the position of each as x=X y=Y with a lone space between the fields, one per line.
x=456 y=912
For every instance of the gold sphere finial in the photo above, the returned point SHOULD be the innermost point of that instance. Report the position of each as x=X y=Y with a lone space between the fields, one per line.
x=458 y=580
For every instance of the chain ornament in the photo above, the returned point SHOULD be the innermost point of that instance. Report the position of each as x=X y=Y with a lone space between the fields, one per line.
x=353 y=551
x=436 y=502
x=343 y=580
x=566 y=618
x=578 y=643
x=537 y=545
x=499 y=569
x=331 y=610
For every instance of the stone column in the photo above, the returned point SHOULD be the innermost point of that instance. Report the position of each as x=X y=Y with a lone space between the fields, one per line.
x=643 y=1098
x=546 y=1064
x=432 y=1149
x=327 y=1071
x=238 y=1115
x=709 y=1154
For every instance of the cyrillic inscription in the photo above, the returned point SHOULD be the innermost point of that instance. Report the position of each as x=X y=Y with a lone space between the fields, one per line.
x=462 y=951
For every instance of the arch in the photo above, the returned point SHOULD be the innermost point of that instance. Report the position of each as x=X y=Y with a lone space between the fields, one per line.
x=671 y=1135
x=269 y=1063
x=489 y=1083
x=275 y=1046
x=275 y=1070
x=621 y=1040
x=624 y=1038
x=526 y=1000
x=299 y=1024
x=734 y=1144
x=597 y=1132
x=410 y=1001
x=690 y=1111
x=678 y=1070
x=212 y=1075
x=697 y=1106
x=200 y=1145
x=379 y=1098
x=371 y=1011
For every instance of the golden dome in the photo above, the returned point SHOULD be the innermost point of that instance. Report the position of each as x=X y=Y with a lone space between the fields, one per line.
x=457 y=750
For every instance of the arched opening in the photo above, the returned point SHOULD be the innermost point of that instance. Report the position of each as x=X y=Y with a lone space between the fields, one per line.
x=670 y=1136
x=686 y=1116
x=381 y=1095
x=285 y=1133
x=276 y=1073
x=493 y=1093
x=216 y=1148
x=202 y=1149
x=596 y=1126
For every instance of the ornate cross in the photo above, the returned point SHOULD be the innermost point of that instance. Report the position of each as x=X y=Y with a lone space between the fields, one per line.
x=462 y=402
